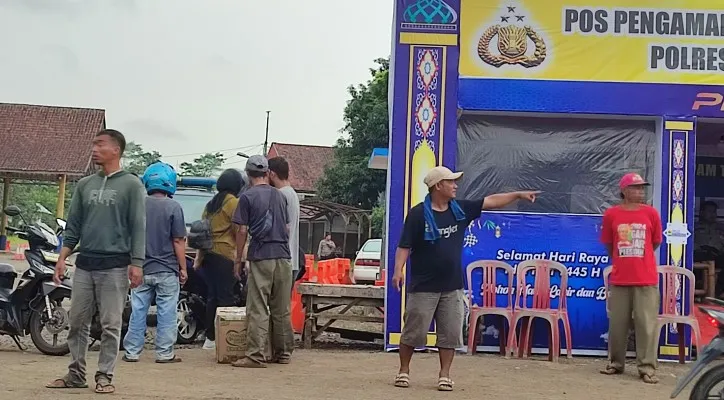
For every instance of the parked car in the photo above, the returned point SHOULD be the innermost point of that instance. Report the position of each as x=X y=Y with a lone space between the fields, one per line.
x=193 y=194
x=367 y=264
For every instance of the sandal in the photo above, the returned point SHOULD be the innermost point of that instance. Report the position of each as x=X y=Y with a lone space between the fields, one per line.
x=247 y=363
x=105 y=388
x=402 y=380
x=445 y=384
x=611 y=370
x=282 y=359
x=65 y=383
x=650 y=379
x=169 y=361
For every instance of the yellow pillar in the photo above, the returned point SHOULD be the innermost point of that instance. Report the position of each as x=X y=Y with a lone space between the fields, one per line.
x=6 y=199
x=60 y=206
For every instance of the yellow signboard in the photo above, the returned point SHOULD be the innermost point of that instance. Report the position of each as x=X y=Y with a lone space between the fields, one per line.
x=659 y=41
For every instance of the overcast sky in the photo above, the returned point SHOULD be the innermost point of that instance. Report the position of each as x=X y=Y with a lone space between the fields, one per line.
x=193 y=76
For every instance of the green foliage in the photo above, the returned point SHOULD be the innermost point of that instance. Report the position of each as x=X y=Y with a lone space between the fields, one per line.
x=206 y=165
x=378 y=221
x=136 y=160
x=27 y=194
x=347 y=180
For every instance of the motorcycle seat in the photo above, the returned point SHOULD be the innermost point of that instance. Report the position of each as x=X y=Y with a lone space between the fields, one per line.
x=7 y=269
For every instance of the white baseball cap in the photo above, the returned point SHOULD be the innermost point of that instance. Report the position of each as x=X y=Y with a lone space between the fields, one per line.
x=438 y=174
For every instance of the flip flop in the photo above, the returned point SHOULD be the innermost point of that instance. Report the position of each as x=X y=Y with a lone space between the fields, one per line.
x=650 y=379
x=169 y=361
x=282 y=360
x=247 y=363
x=402 y=380
x=445 y=384
x=64 y=383
x=610 y=370
x=105 y=388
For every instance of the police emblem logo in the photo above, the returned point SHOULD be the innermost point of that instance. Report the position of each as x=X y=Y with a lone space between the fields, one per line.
x=512 y=36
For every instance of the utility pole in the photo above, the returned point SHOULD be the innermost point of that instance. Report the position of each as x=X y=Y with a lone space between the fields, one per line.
x=266 y=136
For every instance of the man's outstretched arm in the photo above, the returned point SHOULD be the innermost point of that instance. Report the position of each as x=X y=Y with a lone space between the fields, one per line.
x=500 y=200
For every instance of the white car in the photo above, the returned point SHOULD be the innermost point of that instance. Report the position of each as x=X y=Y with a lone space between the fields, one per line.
x=367 y=264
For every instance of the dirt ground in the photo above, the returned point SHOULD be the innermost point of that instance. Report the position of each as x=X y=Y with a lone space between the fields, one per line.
x=334 y=374
x=331 y=373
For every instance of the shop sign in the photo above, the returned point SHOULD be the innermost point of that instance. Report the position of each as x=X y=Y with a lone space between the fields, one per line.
x=605 y=40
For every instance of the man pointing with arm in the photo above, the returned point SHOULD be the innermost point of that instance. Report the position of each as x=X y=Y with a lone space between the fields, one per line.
x=433 y=236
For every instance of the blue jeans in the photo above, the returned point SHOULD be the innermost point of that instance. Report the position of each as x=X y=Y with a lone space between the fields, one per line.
x=166 y=288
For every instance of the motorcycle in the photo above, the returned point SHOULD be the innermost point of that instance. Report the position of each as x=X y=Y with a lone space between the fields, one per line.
x=36 y=303
x=704 y=388
x=191 y=308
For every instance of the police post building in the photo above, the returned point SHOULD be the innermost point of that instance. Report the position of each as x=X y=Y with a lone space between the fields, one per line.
x=565 y=97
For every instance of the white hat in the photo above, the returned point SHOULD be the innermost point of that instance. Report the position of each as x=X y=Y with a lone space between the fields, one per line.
x=440 y=173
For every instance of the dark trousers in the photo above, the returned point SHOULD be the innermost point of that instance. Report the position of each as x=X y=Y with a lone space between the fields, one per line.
x=220 y=281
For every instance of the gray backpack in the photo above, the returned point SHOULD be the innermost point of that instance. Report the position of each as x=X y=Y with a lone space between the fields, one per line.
x=199 y=236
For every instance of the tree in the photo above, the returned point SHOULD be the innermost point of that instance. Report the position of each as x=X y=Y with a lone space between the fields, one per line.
x=378 y=220
x=136 y=160
x=347 y=180
x=29 y=194
x=205 y=165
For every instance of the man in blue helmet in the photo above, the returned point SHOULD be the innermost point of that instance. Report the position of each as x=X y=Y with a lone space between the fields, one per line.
x=164 y=269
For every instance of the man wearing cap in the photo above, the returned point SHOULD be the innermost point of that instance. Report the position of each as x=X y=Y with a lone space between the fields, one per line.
x=631 y=233
x=433 y=239
x=262 y=214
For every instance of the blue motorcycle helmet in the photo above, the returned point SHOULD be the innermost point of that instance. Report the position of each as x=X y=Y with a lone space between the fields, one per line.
x=160 y=177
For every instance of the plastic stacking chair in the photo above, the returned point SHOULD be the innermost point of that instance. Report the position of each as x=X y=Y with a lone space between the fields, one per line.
x=541 y=308
x=489 y=304
x=668 y=314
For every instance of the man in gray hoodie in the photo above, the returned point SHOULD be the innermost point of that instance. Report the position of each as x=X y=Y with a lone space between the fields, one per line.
x=108 y=218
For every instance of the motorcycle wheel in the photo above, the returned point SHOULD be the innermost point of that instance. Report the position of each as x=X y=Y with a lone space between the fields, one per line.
x=188 y=326
x=706 y=384
x=38 y=321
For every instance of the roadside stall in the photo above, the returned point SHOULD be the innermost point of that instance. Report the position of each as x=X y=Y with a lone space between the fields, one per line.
x=560 y=96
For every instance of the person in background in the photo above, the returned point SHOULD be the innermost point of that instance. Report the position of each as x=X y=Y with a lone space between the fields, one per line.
x=709 y=240
x=631 y=233
x=279 y=178
x=433 y=239
x=164 y=270
x=107 y=217
x=262 y=214
x=218 y=263
x=326 y=248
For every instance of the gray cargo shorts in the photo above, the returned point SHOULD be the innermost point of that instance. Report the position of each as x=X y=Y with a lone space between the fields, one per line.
x=447 y=308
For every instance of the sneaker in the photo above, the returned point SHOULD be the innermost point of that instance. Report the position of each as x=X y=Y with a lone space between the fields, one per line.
x=209 y=345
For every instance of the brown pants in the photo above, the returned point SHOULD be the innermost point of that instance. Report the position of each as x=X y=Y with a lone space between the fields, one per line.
x=269 y=299
x=643 y=303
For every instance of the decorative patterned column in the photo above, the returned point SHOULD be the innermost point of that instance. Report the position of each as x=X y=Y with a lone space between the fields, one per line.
x=423 y=122
x=678 y=168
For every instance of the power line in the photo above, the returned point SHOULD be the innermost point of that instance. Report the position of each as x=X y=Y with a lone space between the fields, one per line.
x=253 y=146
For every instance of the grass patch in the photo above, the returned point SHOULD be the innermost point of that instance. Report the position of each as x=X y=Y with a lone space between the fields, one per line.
x=16 y=241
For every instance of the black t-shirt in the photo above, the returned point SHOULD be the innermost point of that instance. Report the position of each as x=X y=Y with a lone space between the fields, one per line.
x=437 y=267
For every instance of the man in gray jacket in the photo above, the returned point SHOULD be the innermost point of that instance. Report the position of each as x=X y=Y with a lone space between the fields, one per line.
x=108 y=218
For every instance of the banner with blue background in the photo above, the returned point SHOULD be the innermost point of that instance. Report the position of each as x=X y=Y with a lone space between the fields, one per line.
x=572 y=240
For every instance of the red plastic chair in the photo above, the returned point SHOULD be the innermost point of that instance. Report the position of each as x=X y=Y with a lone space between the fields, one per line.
x=668 y=313
x=541 y=308
x=489 y=305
